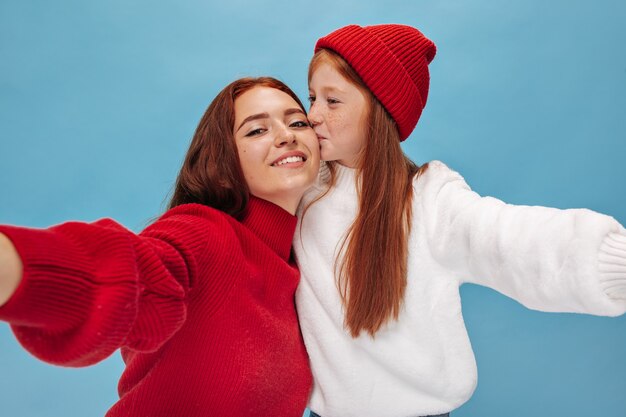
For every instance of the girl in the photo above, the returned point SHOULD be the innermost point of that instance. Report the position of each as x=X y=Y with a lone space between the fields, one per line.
x=384 y=245
x=201 y=302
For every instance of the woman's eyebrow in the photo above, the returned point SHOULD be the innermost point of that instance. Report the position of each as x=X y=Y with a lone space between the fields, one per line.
x=253 y=117
x=294 y=110
x=266 y=115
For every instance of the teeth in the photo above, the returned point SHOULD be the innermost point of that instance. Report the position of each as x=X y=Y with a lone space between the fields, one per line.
x=289 y=159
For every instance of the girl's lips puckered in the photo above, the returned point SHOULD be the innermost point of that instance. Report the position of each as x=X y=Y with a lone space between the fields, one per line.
x=319 y=135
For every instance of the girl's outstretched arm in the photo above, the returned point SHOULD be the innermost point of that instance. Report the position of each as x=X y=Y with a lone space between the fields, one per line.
x=545 y=258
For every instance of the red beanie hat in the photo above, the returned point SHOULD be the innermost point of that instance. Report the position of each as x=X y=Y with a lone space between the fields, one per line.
x=392 y=60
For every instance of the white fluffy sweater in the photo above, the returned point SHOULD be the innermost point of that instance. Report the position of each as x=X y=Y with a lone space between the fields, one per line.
x=423 y=364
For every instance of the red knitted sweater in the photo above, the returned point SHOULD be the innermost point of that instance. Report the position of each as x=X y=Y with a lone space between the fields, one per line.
x=201 y=304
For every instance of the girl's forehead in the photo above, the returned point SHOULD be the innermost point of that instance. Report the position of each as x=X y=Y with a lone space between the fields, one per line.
x=325 y=75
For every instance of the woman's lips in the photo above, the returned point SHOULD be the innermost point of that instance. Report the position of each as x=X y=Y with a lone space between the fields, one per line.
x=293 y=158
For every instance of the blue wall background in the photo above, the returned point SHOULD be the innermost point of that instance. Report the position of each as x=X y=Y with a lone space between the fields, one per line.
x=98 y=101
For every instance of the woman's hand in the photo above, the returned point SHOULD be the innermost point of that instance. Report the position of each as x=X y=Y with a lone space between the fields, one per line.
x=10 y=269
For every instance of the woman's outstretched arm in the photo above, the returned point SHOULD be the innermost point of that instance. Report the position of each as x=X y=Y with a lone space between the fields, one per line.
x=79 y=291
x=10 y=269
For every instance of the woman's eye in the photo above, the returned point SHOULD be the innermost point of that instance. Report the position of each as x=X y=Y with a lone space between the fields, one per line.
x=311 y=99
x=255 y=132
x=331 y=100
x=300 y=123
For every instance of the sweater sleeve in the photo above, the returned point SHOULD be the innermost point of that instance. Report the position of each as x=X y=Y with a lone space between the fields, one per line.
x=545 y=258
x=90 y=288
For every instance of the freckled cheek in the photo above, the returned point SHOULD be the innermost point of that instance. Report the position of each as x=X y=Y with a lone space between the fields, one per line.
x=344 y=128
x=335 y=118
x=336 y=121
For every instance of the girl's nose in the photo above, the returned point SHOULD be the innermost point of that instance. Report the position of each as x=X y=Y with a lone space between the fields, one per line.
x=314 y=116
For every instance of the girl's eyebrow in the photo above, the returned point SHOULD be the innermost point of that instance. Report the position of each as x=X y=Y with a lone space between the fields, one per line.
x=330 y=89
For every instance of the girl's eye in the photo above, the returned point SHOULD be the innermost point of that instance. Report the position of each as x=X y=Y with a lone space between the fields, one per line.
x=331 y=100
x=311 y=99
x=255 y=132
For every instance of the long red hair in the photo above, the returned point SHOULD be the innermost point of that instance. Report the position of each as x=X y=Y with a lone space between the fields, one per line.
x=372 y=275
x=211 y=173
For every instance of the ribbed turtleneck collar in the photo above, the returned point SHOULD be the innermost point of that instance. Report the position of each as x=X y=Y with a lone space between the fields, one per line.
x=272 y=224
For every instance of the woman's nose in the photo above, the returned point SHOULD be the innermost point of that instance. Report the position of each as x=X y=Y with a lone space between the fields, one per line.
x=285 y=137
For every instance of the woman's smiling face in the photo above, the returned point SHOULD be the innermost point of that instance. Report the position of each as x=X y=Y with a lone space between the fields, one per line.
x=278 y=150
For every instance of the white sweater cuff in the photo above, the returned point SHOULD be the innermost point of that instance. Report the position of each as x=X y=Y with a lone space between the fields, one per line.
x=612 y=265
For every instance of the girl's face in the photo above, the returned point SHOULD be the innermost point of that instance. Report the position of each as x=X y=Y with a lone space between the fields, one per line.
x=278 y=150
x=338 y=115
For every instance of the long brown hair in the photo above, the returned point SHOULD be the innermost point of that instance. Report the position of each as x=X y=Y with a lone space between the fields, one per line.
x=211 y=173
x=372 y=276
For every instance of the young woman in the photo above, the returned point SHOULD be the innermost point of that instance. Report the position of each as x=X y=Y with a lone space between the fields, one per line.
x=383 y=245
x=202 y=301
